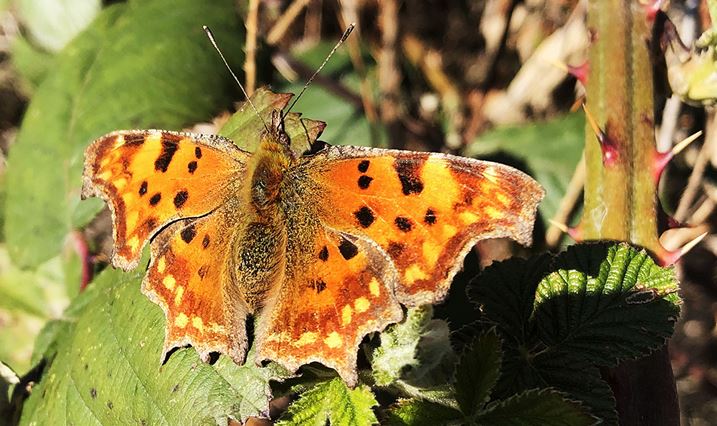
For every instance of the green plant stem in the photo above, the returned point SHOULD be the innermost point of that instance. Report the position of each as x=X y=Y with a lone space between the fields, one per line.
x=620 y=193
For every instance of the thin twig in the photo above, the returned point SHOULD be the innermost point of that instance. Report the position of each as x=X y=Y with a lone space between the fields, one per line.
x=572 y=194
x=252 y=22
x=694 y=182
x=389 y=77
x=285 y=20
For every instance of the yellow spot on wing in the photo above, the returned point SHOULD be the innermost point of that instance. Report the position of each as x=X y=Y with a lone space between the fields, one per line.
x=414 y=273
x=361 y=304
x=346 y=314
x=133 y=243
x=449 y=231
x=431 y=251
x=169 y=282
x=216 y=328
x=105 y=175
x=178 y=296
x=374 y=287
x=120 y=183
x=181 y=320
x=198 y=324
x=502 y=198
x=132 y=219
x=334 y=340
x=468 y=217
x=492 y=212
x=306 y=338
x=161 y=264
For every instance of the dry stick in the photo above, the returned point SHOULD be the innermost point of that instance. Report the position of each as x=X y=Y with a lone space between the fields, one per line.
x=252 y=22
x=572 y=194
x=285 y=20
x=693 y=184
x=389 y=77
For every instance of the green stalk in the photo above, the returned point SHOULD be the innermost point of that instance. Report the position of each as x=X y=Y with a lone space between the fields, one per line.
x=621 y=188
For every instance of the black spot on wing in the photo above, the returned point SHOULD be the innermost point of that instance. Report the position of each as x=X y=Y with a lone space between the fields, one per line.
x=364 y=216
x=170 y=144
x=188 y=233
x=347 y=249
x=143 y=188
x=192 y=166
x=430 y=217
x=363 y=166
x=205 y=241
x=155 y=199
x=318 y=285
x=364 y=181
x=409 y=173
x=134 y=139
x=198 y=152
x=202 y=271
x=180 y=198
x=324 y=254
x=403 y=223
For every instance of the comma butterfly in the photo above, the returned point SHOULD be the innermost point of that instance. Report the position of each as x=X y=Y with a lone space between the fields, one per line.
x=322 y=247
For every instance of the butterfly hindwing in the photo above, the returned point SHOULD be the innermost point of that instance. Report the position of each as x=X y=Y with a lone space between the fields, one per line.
x=425 y=210
x=151 y=177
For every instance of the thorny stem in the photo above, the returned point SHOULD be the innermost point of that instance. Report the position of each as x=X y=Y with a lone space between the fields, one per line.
x=620 y=188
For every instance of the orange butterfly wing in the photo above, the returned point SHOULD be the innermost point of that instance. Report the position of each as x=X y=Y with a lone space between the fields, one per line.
x=368 y=228
x=152 y=177
x=425 y=210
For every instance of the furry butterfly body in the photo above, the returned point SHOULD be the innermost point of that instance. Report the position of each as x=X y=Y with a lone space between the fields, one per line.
x=321 y=248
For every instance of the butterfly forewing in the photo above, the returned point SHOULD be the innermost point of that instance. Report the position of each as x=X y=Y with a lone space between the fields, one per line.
x=424 y=210
x=151 y=177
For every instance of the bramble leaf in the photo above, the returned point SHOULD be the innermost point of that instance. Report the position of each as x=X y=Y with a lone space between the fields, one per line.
x=104 y=360
x=332 y=401
x=477 y=372
x=116 y=74
x=414 y=412
x=535 y=408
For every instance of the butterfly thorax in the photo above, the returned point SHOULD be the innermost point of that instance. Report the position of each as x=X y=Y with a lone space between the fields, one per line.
x=268 y=167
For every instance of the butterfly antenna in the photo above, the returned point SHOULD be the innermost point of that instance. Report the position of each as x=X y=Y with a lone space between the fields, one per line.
x=210 y=35
x=306 y=86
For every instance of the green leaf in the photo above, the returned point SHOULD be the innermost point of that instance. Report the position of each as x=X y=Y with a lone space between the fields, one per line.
x=140 y=64
x=596 y=304
x=31 y=63
x=246 y=126
x=104 y=367
x=417 y=351
x=588 y=305
x=413 y=412
x=334 y=402
x=53 y=23
x=536 y=407
x=477 y=372
x=346 y=122
x=550 y=151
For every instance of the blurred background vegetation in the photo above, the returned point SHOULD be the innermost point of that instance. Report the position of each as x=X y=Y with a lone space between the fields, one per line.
x=494 y=79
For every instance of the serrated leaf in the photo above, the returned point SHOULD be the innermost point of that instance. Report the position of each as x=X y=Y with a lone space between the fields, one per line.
x=105 y=367
x=477 y=372
x=551 y=150
x=332 y=401
x=140 y=64
x=536 y=407
x=417 y=351
x=246 y=125
x=586 y=306
x=53 y=23
x=413 y=412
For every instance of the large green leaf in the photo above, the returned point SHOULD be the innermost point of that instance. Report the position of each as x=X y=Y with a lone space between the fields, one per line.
x=593 y=305
x=105 y=368
x=536 y=407
x=477 y=372
x=550 y=150
x=140 y=64
x=332 y=401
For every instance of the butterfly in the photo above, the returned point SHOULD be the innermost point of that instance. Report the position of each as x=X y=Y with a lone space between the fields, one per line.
x=319 y=247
